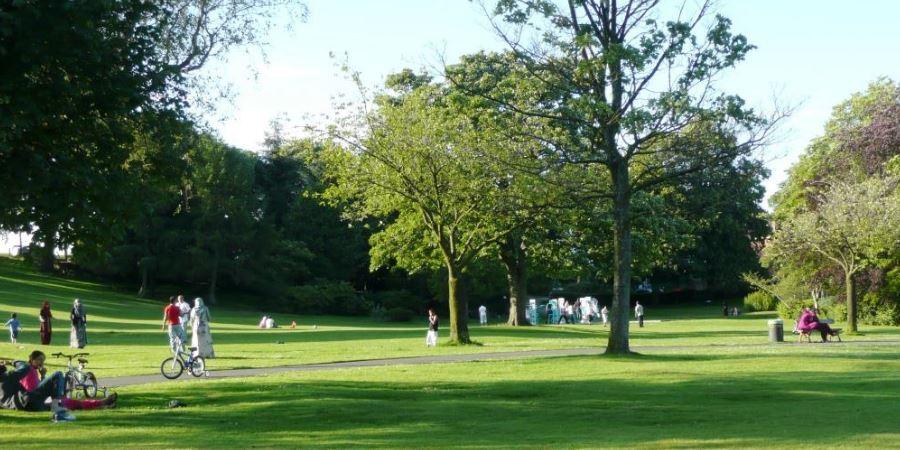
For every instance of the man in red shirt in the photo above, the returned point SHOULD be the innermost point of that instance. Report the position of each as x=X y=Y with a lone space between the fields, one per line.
x=172 y=320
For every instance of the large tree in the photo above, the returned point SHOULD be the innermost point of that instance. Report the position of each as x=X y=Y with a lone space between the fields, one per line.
x=414 y=163
x=633 y=95
x=854 y=225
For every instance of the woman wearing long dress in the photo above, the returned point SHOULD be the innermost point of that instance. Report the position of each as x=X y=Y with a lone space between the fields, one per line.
x=201 y=338
x=78 y=337
x=46 y=327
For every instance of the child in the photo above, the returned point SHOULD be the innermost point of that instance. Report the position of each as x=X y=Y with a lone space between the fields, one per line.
x=14 y=327
x=432 y=336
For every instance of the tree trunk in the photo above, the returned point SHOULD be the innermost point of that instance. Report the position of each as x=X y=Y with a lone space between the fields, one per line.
x=851 y=301
x=513 y=256
x=213 y=279
x=47 y=257
x=621 y=304
x=459 y=328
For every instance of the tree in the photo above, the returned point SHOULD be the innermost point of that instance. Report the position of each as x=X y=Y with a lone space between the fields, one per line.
x=854 y=225
x=630 y=95
x=413 y=163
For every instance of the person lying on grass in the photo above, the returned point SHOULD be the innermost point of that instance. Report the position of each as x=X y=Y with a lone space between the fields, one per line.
x=26 y=388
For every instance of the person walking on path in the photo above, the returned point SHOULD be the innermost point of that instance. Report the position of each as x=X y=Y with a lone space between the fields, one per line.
x=433 y=322
x=639 y=313
x=78 y=336
x=604 y=315
x=46 y=326
x=482 y=315
x=184 y=310
x=14 y=328
x=201 y=338
x=172 y=323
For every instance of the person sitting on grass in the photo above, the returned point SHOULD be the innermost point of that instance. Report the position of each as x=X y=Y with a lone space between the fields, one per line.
x=27 y=388
x=809 y=321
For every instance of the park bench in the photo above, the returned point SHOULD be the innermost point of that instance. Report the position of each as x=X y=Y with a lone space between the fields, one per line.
x=837 y=333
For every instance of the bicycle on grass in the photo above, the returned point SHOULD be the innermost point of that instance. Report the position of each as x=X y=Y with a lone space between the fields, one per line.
x=173 y=366
x=77 y=378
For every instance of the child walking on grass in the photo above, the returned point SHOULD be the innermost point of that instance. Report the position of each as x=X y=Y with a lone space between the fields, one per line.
x=14 y=327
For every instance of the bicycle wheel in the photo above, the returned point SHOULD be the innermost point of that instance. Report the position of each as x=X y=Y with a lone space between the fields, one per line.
x=198 y=367
x=171 y=368
x=90 y=385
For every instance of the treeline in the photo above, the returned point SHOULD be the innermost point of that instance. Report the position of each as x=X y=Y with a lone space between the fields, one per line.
x=836 y=244
x=512 y=173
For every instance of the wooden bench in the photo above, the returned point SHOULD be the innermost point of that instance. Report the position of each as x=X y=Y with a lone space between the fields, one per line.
x=831 y=338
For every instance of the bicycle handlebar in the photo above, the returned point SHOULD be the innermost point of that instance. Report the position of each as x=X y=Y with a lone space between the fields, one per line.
x=63 y=355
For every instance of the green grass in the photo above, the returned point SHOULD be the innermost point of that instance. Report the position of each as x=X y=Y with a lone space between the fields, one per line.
x=701 y=381
x=125 y=338
x=784 y=397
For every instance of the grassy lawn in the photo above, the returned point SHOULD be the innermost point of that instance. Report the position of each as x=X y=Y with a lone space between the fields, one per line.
x=125 y=339
x=786 y=397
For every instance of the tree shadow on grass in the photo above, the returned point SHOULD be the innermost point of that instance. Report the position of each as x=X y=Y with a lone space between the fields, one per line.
x=741 y=409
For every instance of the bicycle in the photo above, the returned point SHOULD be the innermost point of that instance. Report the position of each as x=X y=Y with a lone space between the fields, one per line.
x=77 y=378
x=173 y=366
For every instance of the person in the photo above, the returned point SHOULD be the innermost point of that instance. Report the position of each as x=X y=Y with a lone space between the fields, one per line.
x=78 y=336
x=809 y=321
x=293 y=324
x=262 y=322
x=201 y=339
x=549 y=313
x=432 y=336
x=725 y=309
x=270 y=322
x=172 y=323
x=482 y=315
x=184 y=309
x=735 y=311
x=27 y=388
x=604 y=315
x=639 y=313
x=563 y=308
x=570 y=311
x=46 y=318
x=14 y=328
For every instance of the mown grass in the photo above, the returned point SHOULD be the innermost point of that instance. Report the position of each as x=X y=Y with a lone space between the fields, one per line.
x=125 y=338
x=782 y=397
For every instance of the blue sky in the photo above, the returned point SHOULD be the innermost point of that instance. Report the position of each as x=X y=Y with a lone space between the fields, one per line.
x=814 y=53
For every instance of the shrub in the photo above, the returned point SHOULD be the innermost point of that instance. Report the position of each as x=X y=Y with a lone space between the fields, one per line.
x=327 y=297
x=399 y=315
x=760 y=301
x=875 y=308
x=398 y=299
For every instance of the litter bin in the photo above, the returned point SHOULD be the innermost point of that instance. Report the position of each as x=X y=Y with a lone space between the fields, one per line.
x=776 y=330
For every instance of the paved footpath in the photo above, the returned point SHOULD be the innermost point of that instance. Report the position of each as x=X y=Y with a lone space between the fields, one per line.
x=115 y=382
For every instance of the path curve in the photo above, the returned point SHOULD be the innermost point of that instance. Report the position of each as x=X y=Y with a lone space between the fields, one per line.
x=116 y=382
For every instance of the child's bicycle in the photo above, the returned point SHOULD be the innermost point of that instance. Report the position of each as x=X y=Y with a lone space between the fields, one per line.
x=77 y=378
x=173 y=366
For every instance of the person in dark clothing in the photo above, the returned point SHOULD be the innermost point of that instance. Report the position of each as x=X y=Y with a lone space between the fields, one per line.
x=725 y=309
x=433 y=324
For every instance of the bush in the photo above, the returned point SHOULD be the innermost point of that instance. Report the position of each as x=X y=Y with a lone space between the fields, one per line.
x=398 y=299
x=399 y=315
x=760 y=301
x=875 y=308
x=327 y=297
x=790 y=310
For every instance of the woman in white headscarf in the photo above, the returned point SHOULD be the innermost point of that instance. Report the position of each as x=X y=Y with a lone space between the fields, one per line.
x=78 y=336
x=201 y=337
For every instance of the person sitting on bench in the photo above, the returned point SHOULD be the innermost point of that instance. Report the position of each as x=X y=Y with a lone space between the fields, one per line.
x=809 y=321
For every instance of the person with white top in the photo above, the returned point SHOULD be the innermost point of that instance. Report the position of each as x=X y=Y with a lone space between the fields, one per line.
x=639 y=313
x=604 y=315
x=482 y=315
x=184 y=309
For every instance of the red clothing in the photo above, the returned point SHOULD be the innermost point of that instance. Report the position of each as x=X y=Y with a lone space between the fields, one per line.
x=173 y=315
x=30 y=381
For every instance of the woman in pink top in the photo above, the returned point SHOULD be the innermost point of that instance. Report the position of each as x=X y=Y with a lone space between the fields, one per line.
x=809 y=321
x=52 y=386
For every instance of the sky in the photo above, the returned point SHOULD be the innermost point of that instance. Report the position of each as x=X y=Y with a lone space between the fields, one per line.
x=811 y=53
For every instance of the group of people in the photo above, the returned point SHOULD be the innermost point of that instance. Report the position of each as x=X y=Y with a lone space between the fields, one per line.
x=730 y=312
x=585 y=310
x=179 y=313
x=28 y=387
x=77 y=317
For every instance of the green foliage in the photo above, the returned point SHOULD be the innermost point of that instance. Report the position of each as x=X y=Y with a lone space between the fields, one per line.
x=760 y=301
x=326 y=298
